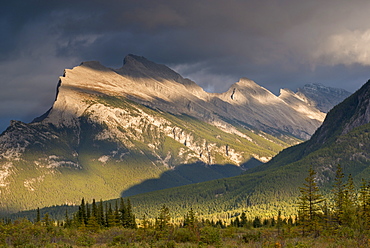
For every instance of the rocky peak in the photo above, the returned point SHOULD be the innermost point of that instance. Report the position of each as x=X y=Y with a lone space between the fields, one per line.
x=322 y=97
x=299 y=104
x=361 y=115
x=138 y=66
x=353 y=112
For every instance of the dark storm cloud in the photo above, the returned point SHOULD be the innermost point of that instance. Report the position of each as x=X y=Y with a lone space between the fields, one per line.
x=277 y=43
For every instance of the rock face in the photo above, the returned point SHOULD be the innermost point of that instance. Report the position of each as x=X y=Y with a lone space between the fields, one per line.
x=352 y=113
x=109 y=130
x=322 y=97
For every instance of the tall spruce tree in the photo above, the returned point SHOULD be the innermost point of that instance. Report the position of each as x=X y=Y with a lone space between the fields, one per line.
x=82 y=213
x=364 y=201
x=100 y=214
x=163 y=220
x=350 y=206
x=38 y=216
x=339 y=195
x=309 y=204
x=94 y=210
x=243 y=220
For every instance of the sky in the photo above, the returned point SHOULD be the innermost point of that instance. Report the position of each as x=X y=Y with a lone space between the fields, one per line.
x=276 y=43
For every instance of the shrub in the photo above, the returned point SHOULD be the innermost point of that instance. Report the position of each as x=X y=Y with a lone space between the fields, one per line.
x=183 y=235
x=252 y=237
x=210 y=235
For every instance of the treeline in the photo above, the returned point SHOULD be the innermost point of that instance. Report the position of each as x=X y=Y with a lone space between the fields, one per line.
x=99 y=215
x=341 y=220
x=349 y=207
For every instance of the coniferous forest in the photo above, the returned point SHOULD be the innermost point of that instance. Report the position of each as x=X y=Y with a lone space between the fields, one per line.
x=341 y=220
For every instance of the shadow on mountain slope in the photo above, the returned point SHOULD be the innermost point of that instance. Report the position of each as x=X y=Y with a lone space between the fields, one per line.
x=187 y=174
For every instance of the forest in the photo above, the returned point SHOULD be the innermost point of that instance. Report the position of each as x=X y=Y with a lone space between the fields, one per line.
x=341 y=221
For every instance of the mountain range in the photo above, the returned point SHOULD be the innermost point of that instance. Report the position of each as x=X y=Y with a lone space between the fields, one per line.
x=343 y=138
x=112 y=131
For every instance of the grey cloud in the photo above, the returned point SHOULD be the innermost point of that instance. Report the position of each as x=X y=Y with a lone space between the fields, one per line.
x=273 y=42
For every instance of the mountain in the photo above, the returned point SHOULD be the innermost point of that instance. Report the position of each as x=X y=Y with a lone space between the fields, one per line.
x=110 y=130
x=343 y=138
x=322 y=97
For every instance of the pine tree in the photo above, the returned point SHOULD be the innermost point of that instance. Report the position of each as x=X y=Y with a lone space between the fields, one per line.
x=88 y=213
x=145 y=222
x=123 y=212
x=243 y=220
x=349 y=204
x=109 y=217
x=82 y=213
x=68 y=221
x=364 y=205
x=190 y=219
x=116 y=215
x=257 y=222
x=162 y=221
x=130 y=216
x=339 y=194
x=38 y=218
x=279 y=221
x=46 y=220
x=100 y=214
x=94 y=210
x=309 y=203
x=237 y=222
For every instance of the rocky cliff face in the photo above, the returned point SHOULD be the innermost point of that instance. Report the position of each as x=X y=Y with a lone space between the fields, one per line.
x=109 y=130
x=321 y=97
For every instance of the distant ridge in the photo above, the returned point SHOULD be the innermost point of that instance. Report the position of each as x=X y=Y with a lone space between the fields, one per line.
x=322 y=97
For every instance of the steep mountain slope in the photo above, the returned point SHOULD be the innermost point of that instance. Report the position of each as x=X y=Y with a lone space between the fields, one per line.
x=322 y=97
x=109 y=130
x=343 y=138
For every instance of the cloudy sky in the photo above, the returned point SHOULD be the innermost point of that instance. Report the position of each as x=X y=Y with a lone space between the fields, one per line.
x=276 y=43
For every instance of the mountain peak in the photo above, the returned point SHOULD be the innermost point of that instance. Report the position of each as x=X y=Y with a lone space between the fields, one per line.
x=139 y=67
x=246 y=82
x=322 y=97
x=132 y=59
x=343 y=118
x=95 y=66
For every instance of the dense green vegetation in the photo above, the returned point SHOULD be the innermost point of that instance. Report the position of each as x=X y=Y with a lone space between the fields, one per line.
x=342 y=222
x=260 y=192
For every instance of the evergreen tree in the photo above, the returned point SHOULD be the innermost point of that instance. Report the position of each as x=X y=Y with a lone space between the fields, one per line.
x=109 y=217
x=100 y=214
x=145 y=222
x=131 y=220
x=67 y=221
x=237 y=222
x=279 y=221
x=257 y=222
x=123 y=213
x=364 y=198
x=309 y=203
x=116 y=215
x=290 y=221
x=82 y=213
x=88 y=213
x=339 y=194
x=94 y=210
x=190 y=218
x=46 y=221
x=243 y=220
x=38 y=218
x=163 y=220
x=349 y=217
x=92 y=223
